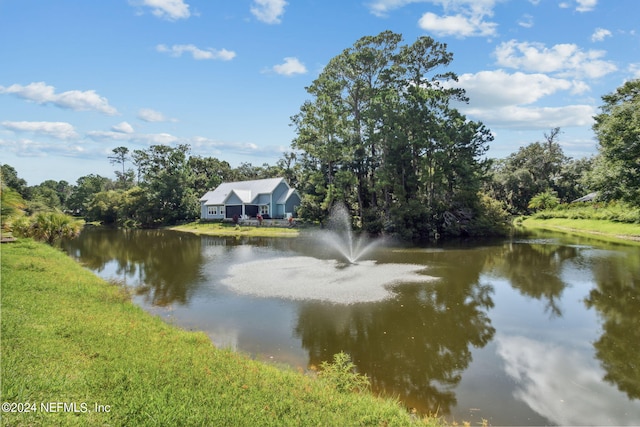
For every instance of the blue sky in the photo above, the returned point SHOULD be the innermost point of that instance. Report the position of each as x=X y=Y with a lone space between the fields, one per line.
x=79 y=78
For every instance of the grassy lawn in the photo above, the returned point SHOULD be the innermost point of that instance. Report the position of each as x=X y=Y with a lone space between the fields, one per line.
x=76 y=347
x=228 y=229
x=611 y=230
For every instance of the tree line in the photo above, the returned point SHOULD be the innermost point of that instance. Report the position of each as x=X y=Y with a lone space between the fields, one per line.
x=381 y=134
x=154 y=187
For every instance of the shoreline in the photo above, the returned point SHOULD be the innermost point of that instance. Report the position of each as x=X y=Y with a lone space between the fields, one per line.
x=90 y=346
x=226 y=230
x=586 y=227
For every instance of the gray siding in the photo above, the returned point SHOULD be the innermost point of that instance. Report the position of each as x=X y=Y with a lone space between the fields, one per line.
x=233 y=200
x=292 y=203
x=204 y=212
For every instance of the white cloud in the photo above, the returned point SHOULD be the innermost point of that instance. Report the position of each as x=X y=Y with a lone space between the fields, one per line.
x=563 y=59
x=28 y=148
x=634 y=69
x=41 y=93
x=98 y=135
x=268 y=11
x=153 y=116
x=457 y=25
x=581 y=5
x=123 y=127
x=462 y=18
x=499 y=88
x=59 y=130
x=135 y=138
x=206 y=146
x=526 y=21
x=290 y=67
x=170 y=10
x=504 y=100
x=382 y=7
x=518 y=117
x=199 y=54
x=586 y=5
x=600 y=34
x=156 y=138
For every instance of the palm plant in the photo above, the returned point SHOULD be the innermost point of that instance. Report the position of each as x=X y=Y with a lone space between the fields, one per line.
x=48 y=226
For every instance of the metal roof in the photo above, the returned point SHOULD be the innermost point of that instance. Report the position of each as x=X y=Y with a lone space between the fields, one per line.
x=246 y=191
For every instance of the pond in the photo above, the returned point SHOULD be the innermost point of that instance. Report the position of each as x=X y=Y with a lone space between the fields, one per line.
x=534 y=330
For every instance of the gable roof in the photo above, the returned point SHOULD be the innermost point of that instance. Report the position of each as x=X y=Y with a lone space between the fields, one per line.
x=246 y=191
x=283 y=199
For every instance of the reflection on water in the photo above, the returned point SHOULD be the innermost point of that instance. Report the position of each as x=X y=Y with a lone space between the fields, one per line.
x=521 y=332
x=616 y=297
x=562 y=384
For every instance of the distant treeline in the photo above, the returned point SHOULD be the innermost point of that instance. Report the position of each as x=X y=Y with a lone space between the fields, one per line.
x=379 y=134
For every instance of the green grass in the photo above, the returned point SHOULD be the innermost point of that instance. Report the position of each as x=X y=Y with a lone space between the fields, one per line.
x=228 y=229
x=70 y=337
x=612 y=211
x=609 y=230
x=614 y=221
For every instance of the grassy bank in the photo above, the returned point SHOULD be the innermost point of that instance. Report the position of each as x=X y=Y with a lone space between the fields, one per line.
x=228 y=229
x=76 y=351
x=601 y=228
x=615 y=221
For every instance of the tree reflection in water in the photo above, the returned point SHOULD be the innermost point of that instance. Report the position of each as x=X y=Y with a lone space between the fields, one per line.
x=415 y=346
x=617 y=300
x=163 y=266
x=535 y=271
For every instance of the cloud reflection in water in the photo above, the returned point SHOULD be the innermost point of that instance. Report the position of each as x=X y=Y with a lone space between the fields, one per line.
x=562 y=385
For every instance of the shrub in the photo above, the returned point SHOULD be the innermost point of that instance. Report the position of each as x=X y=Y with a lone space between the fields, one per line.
x=342 y=375
x=48 y=226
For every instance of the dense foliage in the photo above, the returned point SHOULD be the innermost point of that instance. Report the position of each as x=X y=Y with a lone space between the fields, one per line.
x=616 y=174
x=48 y=227
x=163 y=189
x=380 y=134
x=539 y=170
x=610 y=211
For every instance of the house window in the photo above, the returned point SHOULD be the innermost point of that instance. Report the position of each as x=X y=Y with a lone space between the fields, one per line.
x=264 y=210
x=213 y=210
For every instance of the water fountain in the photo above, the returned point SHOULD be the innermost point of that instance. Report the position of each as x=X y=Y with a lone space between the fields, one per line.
x=339 y=236
x=345 y=278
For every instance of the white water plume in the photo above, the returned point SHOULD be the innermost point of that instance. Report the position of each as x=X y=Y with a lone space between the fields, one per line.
x=307 y=278
x=341 y=239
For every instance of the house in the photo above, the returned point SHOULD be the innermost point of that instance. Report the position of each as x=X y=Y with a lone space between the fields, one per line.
x=271 y=198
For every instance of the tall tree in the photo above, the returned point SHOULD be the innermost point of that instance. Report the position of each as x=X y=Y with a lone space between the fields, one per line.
x=120 y=156
x=617 y=172
x=380 y=135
